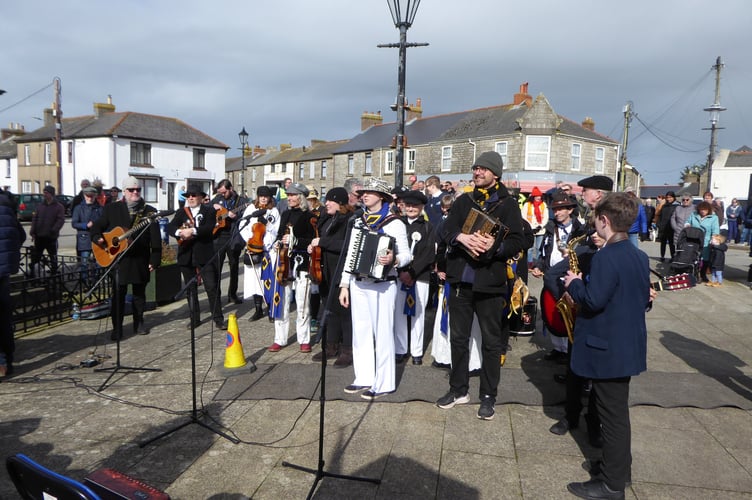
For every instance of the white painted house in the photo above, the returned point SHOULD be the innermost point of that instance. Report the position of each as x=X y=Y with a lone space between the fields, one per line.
x=163 y=153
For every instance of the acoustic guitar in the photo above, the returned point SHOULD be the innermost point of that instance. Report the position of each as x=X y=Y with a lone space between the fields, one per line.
x=555 y=323
x=223 y=214
x=116 y=241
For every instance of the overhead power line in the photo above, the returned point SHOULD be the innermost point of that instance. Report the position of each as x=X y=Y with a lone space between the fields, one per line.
x=27 y=97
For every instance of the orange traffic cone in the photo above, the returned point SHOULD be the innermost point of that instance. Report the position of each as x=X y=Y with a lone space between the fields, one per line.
x=234 y=358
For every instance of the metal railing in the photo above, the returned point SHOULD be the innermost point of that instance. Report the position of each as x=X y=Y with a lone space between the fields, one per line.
x=45 y=293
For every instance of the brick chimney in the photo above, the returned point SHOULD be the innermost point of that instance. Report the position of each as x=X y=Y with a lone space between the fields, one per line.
x=589 y=124
x=414 y=111
x=13 y=130
x=523 y=96
x=368 y=120
x=101 y=108
x=48 y=117
x=285 y=147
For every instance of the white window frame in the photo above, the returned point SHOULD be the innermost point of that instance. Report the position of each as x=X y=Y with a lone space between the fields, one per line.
x=312 y=170
x=301 y=171
x=410 y=161
x=27 y=154
x=26 y=186
x=253 y=175
x=537 y=152
x=446 y=158
x=600 y=160
x=350 y=164
x=369 y=164
x=501 y=148
x=149 y=189
x=323 y=169
x=389 y=162
x=576 y=156
x=140 y=151
x=199 y=159
x=47 y=153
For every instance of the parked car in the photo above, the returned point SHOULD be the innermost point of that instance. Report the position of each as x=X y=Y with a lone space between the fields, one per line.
x=27 y=205
x=66 y=201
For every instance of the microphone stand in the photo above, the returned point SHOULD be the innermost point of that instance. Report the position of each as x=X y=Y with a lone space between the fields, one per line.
x=114 y=269
x=191 y=289
x=319 y=472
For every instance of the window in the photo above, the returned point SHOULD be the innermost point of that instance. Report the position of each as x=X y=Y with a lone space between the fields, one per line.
x=501 y=148
x=27 y=155
x=7 y=168
x=538 y=151
x=253 y=175
x=351 y=164
x=47 y=153
x=322 y=191
x=26 y=186
x=389 y=162
x=446 y=159
x=140 y=153
x=323 y=169
x=369 y=164
x=301 y=171
x=70 y=152
x=600 y=154
x=149 y=191
x=576 y=155
x=410 y=161
x=312 y=171
x=199 y=159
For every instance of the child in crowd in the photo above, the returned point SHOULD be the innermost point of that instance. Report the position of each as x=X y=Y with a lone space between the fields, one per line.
x=718 y=249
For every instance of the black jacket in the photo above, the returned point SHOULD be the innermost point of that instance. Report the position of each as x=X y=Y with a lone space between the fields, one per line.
x=303 y=223
x=549 y=240
x=488 y=273
x=145 y=250
x=332 y=233
x=196 y=251
x=424 y=248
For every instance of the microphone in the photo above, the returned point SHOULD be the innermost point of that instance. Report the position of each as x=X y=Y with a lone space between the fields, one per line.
x=257 y=213
x=163 y=213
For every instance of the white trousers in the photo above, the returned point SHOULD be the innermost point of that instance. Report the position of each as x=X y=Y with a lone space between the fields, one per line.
x=301 y=288
x=441 y=348
x=418 y=323
x=372 y=311
x=560 y=344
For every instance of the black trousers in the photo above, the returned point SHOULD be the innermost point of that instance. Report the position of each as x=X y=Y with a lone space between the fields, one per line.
x=612 y=403
x=667 y=238
x=138 y=305
x=42 y=243
x=233 y=257
x=7 y=342
x=463 y=303
x=210 y=278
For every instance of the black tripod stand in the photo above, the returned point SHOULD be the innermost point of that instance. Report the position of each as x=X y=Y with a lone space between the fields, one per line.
x=191 y=289
x=117 y=314
x=319 y=472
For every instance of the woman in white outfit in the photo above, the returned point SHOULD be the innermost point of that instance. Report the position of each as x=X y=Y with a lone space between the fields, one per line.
x=372 y=301
x=264 y=212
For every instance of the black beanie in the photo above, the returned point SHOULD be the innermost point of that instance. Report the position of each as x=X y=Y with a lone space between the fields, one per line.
x=492 y=161
x=338 y=195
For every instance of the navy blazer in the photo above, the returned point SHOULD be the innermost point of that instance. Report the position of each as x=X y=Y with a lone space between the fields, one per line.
x=610 y=335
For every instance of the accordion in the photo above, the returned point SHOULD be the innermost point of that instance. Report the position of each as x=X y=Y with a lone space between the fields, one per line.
x=363 y=250
x=479 y=221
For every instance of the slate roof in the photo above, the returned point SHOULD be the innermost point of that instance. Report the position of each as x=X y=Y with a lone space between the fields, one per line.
x=741 y=158
x=654 y=191
x=8 y=149
x=128 y=125
x=484 y=122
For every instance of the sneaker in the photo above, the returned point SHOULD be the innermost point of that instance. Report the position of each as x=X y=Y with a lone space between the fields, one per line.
x=305 y=347
x=354 y=389
x=449 y=400
x=370 y=395
x=486 y=410
x=274 y=347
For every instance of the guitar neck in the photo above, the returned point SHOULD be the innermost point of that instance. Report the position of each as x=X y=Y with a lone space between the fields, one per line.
x=678 y=282
x=145 y=222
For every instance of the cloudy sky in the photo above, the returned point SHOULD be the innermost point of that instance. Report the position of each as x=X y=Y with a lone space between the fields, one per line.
x=295 y=70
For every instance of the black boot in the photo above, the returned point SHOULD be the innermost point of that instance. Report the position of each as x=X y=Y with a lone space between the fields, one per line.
x=259 y=303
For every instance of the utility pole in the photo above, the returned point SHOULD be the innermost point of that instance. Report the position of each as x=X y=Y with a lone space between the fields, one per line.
x=715 y=114
x=58 y=111
x=624 y=143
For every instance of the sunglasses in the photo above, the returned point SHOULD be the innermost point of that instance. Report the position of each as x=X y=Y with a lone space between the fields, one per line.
x=134 y=190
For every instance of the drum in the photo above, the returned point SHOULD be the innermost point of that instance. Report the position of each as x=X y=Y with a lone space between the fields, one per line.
x=524 y=324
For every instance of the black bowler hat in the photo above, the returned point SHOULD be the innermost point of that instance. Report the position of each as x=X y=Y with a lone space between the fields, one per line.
x=412 y=197
x=195 y=189
x=264 y=191
x=597 y=182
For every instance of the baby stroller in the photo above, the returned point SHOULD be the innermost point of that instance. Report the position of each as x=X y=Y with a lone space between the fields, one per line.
x=689 y=251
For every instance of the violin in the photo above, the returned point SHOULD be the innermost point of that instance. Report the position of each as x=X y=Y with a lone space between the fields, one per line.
x=314 y=267
x=255 y=244
x=283 y=262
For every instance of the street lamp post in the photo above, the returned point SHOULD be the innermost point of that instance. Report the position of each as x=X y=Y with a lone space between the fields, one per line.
x=403 y=14
x=243 y=136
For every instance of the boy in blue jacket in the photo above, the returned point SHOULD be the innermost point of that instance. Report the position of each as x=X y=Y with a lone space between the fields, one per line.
x=610 y=337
